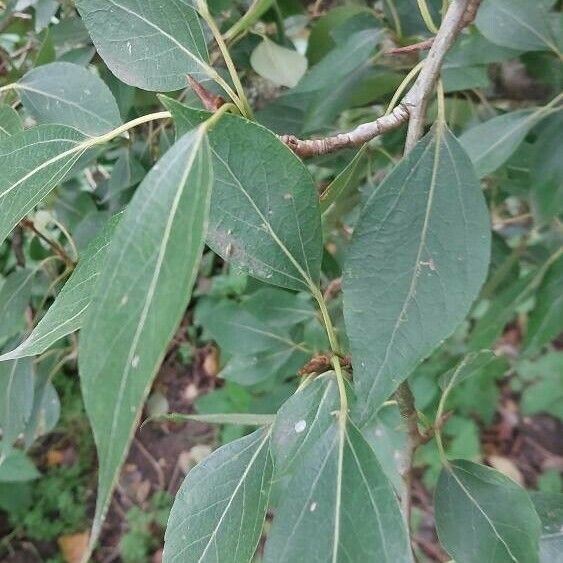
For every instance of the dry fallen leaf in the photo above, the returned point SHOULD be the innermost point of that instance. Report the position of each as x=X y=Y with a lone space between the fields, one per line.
x=211 y=362
x=73 y=546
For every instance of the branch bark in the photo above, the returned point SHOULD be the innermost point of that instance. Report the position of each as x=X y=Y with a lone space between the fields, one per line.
x=413 y=106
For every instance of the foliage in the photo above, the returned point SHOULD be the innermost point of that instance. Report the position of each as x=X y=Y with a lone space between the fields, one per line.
x=356 y=323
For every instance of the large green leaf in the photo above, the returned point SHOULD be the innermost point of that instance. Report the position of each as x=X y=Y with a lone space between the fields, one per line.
x=517 y=24
x=67 y=312
x=139 y=299
x=15 y=294
x=220 y=508
x=302 y=421
x=16 y=400
x=482 y=515
x=265 y=216
x=10 y=122
x=68 y=94
x=490 y=144
x=152 y=45
x=339 y=506
x=418 y=258
x=32 y=163
x=546 y=320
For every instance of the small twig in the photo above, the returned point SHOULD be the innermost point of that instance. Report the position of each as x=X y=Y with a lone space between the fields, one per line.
x=332 y=289
x=17 y=246
x=155 y=465
x=414 y=48
x=413 y=106
x=54 y=245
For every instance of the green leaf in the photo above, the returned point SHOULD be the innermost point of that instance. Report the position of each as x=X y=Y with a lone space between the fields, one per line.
x=68 y=94
x=543 y=392
x=482 y=515
x=139 y=299
x=471 y=365
x=546 y=320
x=339 y=506
x=220 y=508
x=239 y=332
x=489 y=327
x=32 y=163
x=152 y=45
x=15 y=295
x=549 y=507
x=16 y=400
x=16 y=467
x=280 y=65
x=229 y=418
x=10 y=121
x=517 y=24
x=275 y=232
x=272 y=230
x=418 y=258
x=493 y=142
x=67 y=312
x=279 y=307
x=281 y=360
x=302 y=421
x=348 y=177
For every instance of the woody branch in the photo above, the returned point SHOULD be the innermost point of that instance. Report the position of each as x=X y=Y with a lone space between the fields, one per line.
x=412 y=108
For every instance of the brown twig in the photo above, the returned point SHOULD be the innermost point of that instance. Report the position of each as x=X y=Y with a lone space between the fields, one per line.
x=414 y=48
x=413 y=106
x=17 y=246
x=53 y=244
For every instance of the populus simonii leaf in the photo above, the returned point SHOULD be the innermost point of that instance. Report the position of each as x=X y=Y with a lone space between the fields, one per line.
x=68 y=94
x=339 y=493
x=152 y=45
x=482 y=515
x=32 y=163
x=220 y=508
x=139 y=299
x=264 y=220
x=419 y=255
x=67 y=312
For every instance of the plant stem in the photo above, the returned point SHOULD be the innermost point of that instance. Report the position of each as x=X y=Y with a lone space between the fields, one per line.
x=335 y=360
x=329 y=327
x=204 y=12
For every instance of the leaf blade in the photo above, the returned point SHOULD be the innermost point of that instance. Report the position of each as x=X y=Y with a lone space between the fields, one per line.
x=247 y=464
x=138 y=39
x=132 y=321
x=406 y=264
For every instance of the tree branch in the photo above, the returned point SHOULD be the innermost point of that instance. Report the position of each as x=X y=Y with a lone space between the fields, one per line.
x=417 y=97
x=413 y=106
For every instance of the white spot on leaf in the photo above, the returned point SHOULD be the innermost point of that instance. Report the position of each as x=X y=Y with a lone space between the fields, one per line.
x=135 y=361
x=313 y=507
x=300 y=426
